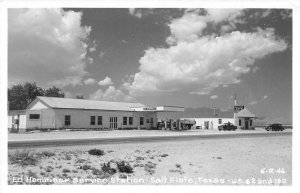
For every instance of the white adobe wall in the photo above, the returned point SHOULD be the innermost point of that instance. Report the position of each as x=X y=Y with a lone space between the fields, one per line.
x=46 y=121
x=81 y=118
x=242 y=126
x=213 y=122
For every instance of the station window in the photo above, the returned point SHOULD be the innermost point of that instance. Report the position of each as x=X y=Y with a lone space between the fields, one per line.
x=220 y=121
x=240 y=122
x=124 y=120
x=130 y=120
x=67 y=120
x=93 y=120
x=141 y=120
x=99 y=120
x=250 y=122
x=34 y=116
x=148 y=121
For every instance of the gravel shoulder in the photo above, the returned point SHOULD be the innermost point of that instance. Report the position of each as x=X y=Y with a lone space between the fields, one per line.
x=119 y=134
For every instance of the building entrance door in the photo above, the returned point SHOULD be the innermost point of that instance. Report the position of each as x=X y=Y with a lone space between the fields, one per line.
x=206 y=124
x=246 y=124
x=113 y=122
x=151 y=123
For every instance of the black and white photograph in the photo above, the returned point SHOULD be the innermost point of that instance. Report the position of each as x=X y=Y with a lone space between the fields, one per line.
x=161 y=96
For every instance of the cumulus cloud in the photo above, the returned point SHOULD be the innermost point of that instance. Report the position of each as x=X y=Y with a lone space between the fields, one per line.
x=92 y=49
x=220 y=15
x=191 y=25
x=106 y=81
x=197 y=63
x=256 y=102
x=111 y=94
x=286 y=13
x=204 y=64
x=214 y=97
x=135 y=12
x=187 y=27
x=253 y=103
x=266 y=13
x=139 y=13
x=101 y=54
x=93 y=46
x=46 y=45
x=89 y=81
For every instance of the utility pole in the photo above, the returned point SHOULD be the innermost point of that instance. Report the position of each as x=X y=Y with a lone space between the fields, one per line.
x=215 y=112
x=234 y=113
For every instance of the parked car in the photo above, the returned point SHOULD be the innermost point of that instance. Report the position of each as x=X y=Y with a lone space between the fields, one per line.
x=227 y=127
x=274 y=127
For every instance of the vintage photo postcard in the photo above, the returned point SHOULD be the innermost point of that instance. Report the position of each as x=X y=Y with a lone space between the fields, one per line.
x=114 y=96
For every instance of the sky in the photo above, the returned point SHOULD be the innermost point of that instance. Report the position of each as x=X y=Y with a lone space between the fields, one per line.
x=181 y=57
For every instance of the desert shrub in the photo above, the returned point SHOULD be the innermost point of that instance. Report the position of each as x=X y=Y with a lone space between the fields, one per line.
x=85 y=167
x=96 y=171
x=139 y=158
x=80 y=160
x=164 y=155
x=23 y=158
x=123 y=176
x=149 y=167
x=138 y=165
x=100 y=173
x=49 y=169
x=177 y=170
x=97 y=152
x=32 y=174
x=124 y=167
x=66 y=170
x=148 y=151
x=46 y=154
x=68 y=157
x=106 y=168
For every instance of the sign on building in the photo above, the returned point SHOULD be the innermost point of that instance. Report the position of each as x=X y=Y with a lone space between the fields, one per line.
x=237 y=108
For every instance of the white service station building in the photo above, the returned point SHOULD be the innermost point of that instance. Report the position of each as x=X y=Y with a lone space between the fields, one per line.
x=66 y=113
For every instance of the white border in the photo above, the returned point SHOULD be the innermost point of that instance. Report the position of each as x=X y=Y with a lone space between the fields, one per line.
x=292 y=4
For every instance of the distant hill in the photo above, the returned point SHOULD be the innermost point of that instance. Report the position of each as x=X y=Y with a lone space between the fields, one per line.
x=205 y=112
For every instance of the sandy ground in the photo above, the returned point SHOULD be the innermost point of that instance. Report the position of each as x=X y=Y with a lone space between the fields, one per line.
x=238 y=161
x=119 y=133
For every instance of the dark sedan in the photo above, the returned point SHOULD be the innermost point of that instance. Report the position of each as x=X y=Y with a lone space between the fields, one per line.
x=275 y=127
x=227 y=127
